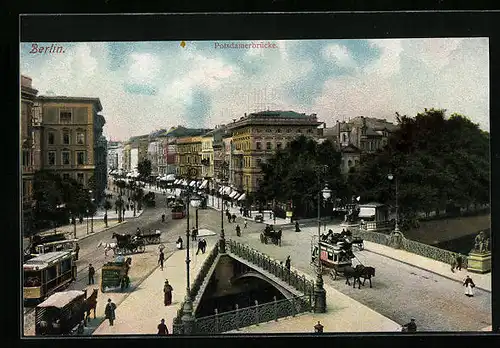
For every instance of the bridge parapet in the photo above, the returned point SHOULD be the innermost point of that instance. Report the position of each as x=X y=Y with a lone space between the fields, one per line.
x=274 y=267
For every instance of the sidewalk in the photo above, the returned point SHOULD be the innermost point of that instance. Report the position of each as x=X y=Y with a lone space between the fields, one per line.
x=142 y=310
x=343 y=314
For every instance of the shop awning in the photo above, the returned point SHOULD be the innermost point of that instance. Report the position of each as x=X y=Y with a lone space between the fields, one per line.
x=170 y=177
x=235 y=197
x=242 y=197
x=203 y=184
x=227 y=190
x=233 y=194
x=366 y=212
x=192 y=183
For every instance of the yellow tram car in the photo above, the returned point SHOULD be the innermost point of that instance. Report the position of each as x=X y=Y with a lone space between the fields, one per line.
x=47 y=273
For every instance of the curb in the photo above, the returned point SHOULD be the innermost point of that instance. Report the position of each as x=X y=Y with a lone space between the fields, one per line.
x=108 y=228
x=424 y=269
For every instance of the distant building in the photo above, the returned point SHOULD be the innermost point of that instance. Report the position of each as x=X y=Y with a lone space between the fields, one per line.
x=257 y=136
x=359 y=135
x=113 y=154
x=28 y=145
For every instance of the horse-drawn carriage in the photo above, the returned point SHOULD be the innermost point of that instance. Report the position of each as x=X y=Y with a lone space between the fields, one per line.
x=129 y=244
x=63 y=313
x=151 y=237
x=337 y=259
x=115 y=274
x=270 y=234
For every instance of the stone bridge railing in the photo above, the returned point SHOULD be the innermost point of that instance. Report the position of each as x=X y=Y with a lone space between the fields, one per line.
x=254 y=315
x=412 y=246
x=299 y=282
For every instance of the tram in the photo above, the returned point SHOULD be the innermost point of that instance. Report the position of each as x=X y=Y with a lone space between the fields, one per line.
x=332 y=255
x=62 y=245
x=178 y=211
x=47 y=273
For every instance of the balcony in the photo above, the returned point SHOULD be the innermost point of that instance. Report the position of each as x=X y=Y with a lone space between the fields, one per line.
x=27 y=170
x=70 y=167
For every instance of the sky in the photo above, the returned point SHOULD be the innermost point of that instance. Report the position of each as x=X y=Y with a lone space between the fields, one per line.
x=146 y=86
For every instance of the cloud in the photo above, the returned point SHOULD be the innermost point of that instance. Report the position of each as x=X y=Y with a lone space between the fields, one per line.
x=150 y=85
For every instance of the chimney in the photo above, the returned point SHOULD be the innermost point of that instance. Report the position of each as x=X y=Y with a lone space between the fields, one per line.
x=364 y=121
x=245 y=114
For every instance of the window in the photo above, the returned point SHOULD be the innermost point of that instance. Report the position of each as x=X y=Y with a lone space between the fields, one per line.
x=80 y=158
x=299 y=130
x=269 y=130
x=66 y=176
x=51 y=138
x=349 y=163
x=278 y=130
x=289 y=130
x=344 y=137
x=80 y=138
x=65 y=117
x=52 y=158
x=258 y=146
x=65 y=158
x=79 y=177
x=278 y=146
x=66 y=137
x=268 y=146
x=259 y=161
x=309 y=131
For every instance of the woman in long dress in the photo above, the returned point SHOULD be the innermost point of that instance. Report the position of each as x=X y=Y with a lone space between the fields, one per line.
x=469 y=286
x=167 y=293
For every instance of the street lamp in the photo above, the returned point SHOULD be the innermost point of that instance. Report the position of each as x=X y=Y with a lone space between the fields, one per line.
x=187 y=310
x=222 y=238
x=92 y=216
x=195 y=203
x=87 y=221
x=395 y=178
x=319 y=291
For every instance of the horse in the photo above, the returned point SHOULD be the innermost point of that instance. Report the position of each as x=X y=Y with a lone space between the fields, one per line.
x=355 y=273
x=366 y=272
x=108 y=247
x=90 y=303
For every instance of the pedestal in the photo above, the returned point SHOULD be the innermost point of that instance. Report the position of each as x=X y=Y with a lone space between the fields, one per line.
x=479 y=262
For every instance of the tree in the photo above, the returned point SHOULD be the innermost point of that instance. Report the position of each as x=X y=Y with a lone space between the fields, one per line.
x=144 y=169
x=121 y=184
x=107 y=206
x=292 y=174
x=119 y=203
x=439 y=163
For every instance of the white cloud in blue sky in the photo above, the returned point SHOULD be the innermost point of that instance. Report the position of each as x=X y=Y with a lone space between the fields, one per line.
x=145 y=86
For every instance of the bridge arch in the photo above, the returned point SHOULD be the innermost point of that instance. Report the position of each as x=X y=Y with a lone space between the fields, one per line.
x=252 y=274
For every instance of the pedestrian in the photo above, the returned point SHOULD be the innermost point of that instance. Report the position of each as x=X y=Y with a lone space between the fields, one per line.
x=297 y=229
x=469 y=286
x=91 y=274
x=274 y=218
x=193 y=234
x=179 y=243
x=241 y=210
x=453 y=265
x=234 y=217
x=318 y=328
x=167 y=293
x=106 y=219
x=124 y=211
x=204 y=246
x=81 y=219
x=245 y=224
x=288 y=263
x=128 y=206
x=77 y=250
x=109 y=312
x=162 y=217
x=200 y=246
x=270 y=215
x=161 y=259
x=410 y=327
x=238 y=230
x=459 y=262
x=162 y=328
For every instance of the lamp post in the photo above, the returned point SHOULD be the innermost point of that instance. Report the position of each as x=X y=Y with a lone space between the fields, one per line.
x=187 y=317
x=319 y=291
x=222 y=237
x=395 y=178
x=92 y=212
x=87 y=221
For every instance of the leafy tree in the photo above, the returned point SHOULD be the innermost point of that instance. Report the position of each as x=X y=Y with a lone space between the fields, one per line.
x=121 y=184
x=119 y=203
x=107 y=205
x=144 y=168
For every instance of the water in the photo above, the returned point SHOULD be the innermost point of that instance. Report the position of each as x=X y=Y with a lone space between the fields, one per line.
x=462 y=245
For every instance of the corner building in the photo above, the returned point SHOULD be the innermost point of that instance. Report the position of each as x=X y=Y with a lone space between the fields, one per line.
x=257 y=136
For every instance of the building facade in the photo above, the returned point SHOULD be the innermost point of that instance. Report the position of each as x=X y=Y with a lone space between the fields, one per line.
x=153 y=156
x=126 y=156
x=113 y=153
x=257 y=136
x=28 y=152
x=71 y=130
x=359 y=135
x=189 y=153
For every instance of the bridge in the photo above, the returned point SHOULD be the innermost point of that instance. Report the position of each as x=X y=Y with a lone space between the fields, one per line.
x=226 y=273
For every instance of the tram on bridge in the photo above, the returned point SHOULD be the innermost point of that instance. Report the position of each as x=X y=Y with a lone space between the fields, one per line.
x=47 y=273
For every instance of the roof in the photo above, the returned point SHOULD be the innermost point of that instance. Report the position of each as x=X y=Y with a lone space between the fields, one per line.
x=280 y=114
x=61 y=299
x=96 y=101
x=44 y=259
x=372 y=205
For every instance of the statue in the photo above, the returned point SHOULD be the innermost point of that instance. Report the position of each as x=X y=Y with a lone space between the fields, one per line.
x=395 y=239
x=481 y=243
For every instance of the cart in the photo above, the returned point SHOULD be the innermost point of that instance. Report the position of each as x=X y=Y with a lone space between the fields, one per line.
x=151 y=238
x=115 y=274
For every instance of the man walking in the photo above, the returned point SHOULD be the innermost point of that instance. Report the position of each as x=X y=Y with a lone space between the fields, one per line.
x=469 y=285
x=77 y=251
x=109 y=312
x=194 y=234
x=162 y=328
x=410 y=327
x=91 y=274
x=459 y=262
x=200 y=246
x=238 y=230
x=161 y=259
x=204 y=246
x=245 y=224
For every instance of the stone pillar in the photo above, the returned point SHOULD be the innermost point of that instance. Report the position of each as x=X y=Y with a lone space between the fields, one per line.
x=319 y=295
x=479 y=262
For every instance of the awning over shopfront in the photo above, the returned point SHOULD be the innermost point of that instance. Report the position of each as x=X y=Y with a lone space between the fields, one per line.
x=192 y=183
x=170 y=177
x=366 y=212
x=203 y=184
x=235 y=197
x=242 y=197
x=233 y=194
x=227 y=190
